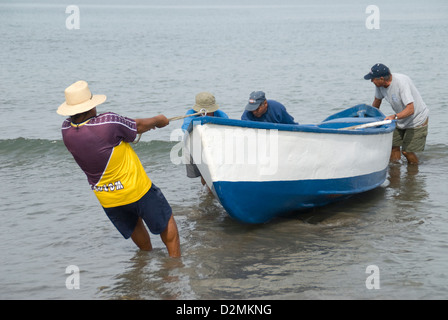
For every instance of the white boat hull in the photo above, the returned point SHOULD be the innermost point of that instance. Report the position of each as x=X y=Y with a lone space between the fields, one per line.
x=258 y=172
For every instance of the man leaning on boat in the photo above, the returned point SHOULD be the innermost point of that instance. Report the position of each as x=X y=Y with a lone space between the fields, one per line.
x=263 y=110
x=411 y=112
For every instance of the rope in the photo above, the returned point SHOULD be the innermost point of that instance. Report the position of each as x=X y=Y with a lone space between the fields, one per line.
x=188 y=115
x=202 y=112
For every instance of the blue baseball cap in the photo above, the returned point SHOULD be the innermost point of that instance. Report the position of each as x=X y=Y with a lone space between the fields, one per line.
x=377 y=71
x=255 y=99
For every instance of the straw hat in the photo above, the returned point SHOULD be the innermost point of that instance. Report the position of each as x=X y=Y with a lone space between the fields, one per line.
x=205 y=100
x=79 y=99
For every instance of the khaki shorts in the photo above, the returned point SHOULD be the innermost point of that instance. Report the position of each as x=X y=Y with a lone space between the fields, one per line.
x=411 y=140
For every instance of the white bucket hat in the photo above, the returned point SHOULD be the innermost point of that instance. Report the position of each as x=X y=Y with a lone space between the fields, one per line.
x=79 y=99
x=205 y=100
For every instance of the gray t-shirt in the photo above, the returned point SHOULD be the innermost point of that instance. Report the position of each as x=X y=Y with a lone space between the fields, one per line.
x=399 y=94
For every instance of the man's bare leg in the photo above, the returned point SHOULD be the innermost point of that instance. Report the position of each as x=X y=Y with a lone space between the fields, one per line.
x=170 y=237
x=411 y=157
x=140 y=236
x=395 y=155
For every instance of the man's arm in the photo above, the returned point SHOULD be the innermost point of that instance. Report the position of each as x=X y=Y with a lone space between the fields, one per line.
x=408 y=111
x=246 y=115
x=376 y=103
x=146 y=124
x=289 y=119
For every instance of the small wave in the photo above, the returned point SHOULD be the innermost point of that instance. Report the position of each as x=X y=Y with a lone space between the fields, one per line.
x=20 y=148
x=24 y=146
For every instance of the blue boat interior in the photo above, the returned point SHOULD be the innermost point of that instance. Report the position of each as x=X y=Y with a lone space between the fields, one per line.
x=359 y=114
x=358 y=111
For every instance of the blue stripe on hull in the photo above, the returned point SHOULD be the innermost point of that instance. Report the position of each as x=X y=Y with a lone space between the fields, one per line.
x=259 y=202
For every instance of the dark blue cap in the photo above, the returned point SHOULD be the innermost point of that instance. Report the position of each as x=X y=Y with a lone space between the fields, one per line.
x=377 y=71
x=255 y=99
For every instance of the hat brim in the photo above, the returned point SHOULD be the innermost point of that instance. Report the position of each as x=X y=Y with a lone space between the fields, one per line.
x=209 y=109
x=70 y=110
x=253 y=106
x=368 y=76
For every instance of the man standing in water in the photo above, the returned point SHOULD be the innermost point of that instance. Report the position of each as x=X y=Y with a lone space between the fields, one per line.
x=411 y=112
x=100 y=146
x=204 y=101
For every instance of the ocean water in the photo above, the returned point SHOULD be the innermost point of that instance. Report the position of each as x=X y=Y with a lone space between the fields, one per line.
x=152 y=57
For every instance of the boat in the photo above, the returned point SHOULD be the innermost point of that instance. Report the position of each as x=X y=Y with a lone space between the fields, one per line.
x=259 y=171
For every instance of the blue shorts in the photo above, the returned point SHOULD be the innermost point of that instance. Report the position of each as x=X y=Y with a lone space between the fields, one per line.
x=152 y=208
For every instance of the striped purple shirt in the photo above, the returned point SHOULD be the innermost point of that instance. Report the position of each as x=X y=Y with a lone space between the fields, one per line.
x=92 y=142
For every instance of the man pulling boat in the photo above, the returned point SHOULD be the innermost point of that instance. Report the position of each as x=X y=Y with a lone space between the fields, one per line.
x=100 y=146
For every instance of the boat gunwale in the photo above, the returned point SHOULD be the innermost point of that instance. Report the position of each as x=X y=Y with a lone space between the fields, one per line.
x=333 y=125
